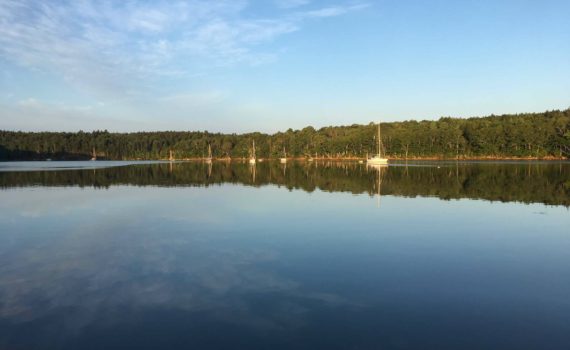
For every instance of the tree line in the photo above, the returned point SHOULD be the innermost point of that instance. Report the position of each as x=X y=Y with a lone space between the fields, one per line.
x=530 y=135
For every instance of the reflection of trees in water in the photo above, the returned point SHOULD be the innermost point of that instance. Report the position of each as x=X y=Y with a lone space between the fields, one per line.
x=531 y=182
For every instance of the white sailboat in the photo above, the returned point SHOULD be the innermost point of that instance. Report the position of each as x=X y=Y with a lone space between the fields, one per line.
x=284 y=159
x=94 y=154
x=378 y=159
x=252 y=158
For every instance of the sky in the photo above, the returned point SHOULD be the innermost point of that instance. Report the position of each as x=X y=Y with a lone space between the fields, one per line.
x=241 y=66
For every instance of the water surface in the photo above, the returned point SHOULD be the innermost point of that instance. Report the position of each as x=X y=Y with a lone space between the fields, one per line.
x=303 y=255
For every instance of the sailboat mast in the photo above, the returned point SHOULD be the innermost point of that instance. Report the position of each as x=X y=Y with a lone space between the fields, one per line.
x=379 y=142
x=253 y=148
x=209 y=151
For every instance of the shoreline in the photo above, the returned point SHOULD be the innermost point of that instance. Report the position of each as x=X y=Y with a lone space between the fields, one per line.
x=305 y=159
x=489 y=158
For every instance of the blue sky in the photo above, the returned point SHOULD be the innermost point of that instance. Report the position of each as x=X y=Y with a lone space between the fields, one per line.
x=237 y=66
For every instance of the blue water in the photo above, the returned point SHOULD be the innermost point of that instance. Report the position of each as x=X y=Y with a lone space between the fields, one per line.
x=236 y=266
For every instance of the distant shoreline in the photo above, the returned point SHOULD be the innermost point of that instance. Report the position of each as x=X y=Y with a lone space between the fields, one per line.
x=490 y=158
x=533 y=136
x=305 y=159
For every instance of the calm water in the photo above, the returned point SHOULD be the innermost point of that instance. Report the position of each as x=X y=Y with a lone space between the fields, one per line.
x=307 y=255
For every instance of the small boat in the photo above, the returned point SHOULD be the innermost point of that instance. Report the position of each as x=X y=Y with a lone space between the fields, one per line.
x=378 y=159
x=171 y=156
x=252 y=159
x=284 y=159
x=94 y=154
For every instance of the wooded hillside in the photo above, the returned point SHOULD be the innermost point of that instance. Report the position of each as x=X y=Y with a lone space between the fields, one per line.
x=540 y=135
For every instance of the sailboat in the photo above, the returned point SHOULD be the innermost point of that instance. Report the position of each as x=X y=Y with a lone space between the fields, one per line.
x=284 y=159
x=252 y=158
x=209 y=158
x=171 y=156
x=94 y=154
x=378 y=159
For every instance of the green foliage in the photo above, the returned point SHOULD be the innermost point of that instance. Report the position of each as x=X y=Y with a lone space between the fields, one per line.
x=523 y=135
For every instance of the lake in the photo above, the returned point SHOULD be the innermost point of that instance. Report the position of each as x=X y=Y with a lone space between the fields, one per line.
x=303 y=255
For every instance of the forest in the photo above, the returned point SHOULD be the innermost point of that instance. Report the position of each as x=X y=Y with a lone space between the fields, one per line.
x=543 y=135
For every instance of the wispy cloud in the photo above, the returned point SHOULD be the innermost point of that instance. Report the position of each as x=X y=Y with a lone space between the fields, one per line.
x=232 y=41
x=332 y=11
x=108 y=44
x=133 y=52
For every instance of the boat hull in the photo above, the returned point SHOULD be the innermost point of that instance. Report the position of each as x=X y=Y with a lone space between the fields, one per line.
x=377 y=161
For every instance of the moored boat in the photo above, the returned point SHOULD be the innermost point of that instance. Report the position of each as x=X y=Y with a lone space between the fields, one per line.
x=378 y=159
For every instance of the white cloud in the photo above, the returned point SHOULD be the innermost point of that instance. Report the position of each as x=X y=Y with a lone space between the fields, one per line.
x=332 y=11
x=98 y=43
x=39 y=115
x=129 y=52
x=231 y=42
